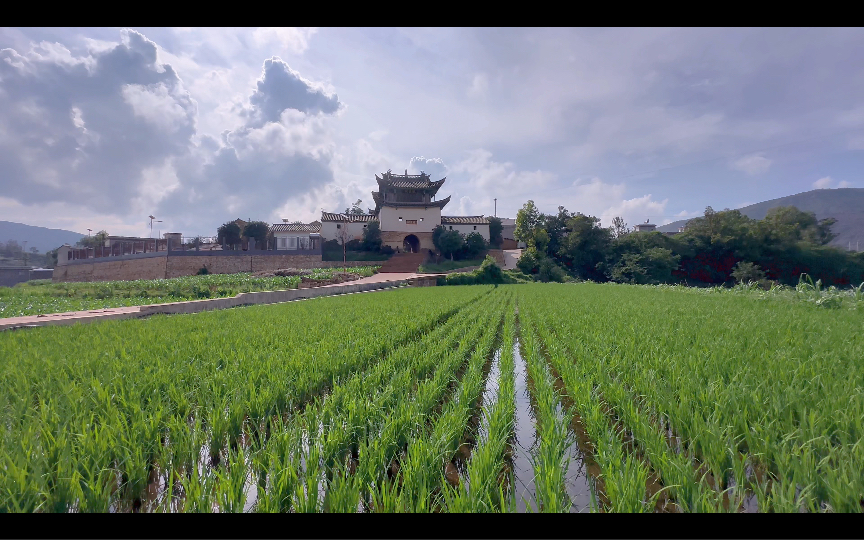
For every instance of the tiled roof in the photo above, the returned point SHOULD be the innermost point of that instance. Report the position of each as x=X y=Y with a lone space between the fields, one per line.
x=464 y=220
x=411 y=181
x=376 y=196
x=351 y=218
x=313 y=227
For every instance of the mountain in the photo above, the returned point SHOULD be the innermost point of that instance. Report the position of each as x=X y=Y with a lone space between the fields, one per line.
x=844 y=204
x=42 y=238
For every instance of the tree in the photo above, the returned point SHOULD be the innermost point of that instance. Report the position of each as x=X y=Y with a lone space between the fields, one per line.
x=619 y=228
x=496 y=229
x=490 y=272
x=451 y=242
x=556 y=227
x=437 y=233
x=528 y=218
x=51 y=258
x=541 y=239
x=652 y=266
x=372 y=236
x=355 y=208
x=95 y=241
x=228 y=233
x=528 y=262
x=585 y=247
x=788 y=224
x=746 y=272
x=257 y=230
x=474 y=244
x=344 y=237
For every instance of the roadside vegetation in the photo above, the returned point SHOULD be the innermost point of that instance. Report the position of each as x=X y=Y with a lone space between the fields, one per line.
x=448 y=265
x=42 y=296
x=719 y=248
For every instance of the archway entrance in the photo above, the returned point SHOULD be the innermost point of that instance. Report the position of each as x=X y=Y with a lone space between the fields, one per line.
x=411 y=244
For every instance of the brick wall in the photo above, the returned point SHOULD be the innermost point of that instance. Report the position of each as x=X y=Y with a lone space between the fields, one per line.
x=150 y=268
x=170 y=267
x=188 y=266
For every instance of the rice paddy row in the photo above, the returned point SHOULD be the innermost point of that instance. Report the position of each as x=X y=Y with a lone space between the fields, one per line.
x=412 y=401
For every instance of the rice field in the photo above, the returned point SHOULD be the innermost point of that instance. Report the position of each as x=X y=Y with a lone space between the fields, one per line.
x=41 y=296
x=536 y=397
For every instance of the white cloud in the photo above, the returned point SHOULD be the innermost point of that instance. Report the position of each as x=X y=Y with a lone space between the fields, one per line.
x=636 y=210
x=480 y=85
x=434 y=167
x=501 y=177
x=828 y=183
x=752 y=165
x=292 y=40
x=824 y=183
x=157 y=105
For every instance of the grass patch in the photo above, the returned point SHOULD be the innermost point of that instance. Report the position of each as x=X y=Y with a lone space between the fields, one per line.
x=42 y=296
x=446 y=265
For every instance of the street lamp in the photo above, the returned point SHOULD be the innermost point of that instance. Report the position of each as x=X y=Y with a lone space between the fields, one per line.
x=88 y=232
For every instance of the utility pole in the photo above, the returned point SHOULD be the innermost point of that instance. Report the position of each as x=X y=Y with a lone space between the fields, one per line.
x=495 y=204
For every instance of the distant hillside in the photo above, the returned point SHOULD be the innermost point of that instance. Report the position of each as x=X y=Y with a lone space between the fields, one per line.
x=42 y=238
x=844 y=204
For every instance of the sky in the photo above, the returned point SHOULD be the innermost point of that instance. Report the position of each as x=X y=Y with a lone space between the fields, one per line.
x=101 y=128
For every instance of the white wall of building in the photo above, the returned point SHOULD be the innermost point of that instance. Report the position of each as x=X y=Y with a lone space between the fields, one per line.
x=292 y=240
x=389 y=218
x=329 y=230
x=465 y=230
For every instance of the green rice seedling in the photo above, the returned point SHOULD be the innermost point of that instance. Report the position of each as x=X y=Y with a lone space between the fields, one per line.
x=231 y=482
x=550 y=460
x=485 y=492
x=740 y=374
x=198 y=492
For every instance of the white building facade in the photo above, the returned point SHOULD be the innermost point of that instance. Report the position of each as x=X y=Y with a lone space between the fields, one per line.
x=332 y=225
x=297 y=236
x=407 y=212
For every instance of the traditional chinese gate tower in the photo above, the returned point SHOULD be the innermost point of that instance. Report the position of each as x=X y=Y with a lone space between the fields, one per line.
x=407 y=210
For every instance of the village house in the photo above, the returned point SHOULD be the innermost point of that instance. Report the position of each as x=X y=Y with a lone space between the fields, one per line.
x=297 y=236
x=407 y=211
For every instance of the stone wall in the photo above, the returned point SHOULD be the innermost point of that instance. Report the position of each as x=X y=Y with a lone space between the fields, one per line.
x=124 y=270
x=190 y=265
x=395 y=239
x=498 y=255
x=178 y=266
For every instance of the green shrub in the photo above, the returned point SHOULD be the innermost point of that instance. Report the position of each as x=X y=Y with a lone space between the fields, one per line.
x=102 y=292
x=529 y=261
x=201 y=291
x=490 y=272
x=548 y=270
x=203 y=271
